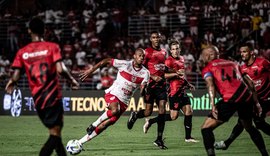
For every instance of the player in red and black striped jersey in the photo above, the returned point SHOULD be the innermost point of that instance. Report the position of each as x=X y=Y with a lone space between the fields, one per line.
x=258 y=69
x=178 y=98
x=156 y=90
x=238 y=95
x=41 y=62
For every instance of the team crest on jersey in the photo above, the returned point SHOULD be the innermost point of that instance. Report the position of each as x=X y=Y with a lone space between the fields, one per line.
x=133 y=79
x=112 y=98
x=176 y=105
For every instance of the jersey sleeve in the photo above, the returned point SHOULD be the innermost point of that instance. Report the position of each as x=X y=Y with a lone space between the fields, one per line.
x=18 y=62
x=146 y=78
x=206 y=72
x=118 y=63
x=56 y=53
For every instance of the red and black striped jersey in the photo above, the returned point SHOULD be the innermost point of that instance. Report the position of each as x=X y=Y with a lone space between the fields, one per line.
x=176 y=84
x=39 y=62
x=228 y=80
x=259 y=72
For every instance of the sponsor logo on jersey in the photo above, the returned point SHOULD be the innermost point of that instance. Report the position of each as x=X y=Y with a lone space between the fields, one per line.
x=27 y=55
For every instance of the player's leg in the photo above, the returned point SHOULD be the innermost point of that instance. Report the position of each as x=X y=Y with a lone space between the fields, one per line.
x=260 y=121
x=113 y=109
x=149 y=102
x=245 y=113
x=52 y=118
x=188 y=113
x=237 y=130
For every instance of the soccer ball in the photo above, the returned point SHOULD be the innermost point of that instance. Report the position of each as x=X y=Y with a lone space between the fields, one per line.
x=74 y=147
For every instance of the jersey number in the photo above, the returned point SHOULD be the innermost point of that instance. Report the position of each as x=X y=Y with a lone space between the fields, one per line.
x=43 y=69
x=225 y=76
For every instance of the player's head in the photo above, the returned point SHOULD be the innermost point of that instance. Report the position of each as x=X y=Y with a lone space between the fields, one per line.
x=36 y=26
x=174 y=48
x=246 y=52
x=155 y=38
x=139 y=56
x=210 y=53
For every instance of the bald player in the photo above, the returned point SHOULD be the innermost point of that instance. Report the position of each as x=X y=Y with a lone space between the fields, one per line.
x=238 y=95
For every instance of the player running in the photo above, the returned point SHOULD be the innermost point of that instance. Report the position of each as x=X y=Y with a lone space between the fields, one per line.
x=178 y=98
x=224 y=77
x=156 y=90
x=131 y=75
x=258 y=69
x=42 y=63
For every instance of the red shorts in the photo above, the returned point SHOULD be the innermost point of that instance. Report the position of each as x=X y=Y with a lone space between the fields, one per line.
x=109 y=98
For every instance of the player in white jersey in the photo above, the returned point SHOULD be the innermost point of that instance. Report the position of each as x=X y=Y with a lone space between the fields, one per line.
x=131 y=75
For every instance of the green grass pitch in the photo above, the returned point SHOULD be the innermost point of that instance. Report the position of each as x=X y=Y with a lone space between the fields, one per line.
x=25 y=135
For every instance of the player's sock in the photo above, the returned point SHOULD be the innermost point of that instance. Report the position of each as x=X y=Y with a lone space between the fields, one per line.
x=258 y=140
x=140 y=114
x=107 y=114
x=208 y=140
x=168 y=117
x=188 y=125
x=161 y=125
x=60 y=149
x=88 y=137
x=263 y=126
x=155 y=119
x=48 y=147
x=237 y=130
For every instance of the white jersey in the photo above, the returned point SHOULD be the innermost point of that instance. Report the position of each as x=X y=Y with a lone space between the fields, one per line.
x=128 y=80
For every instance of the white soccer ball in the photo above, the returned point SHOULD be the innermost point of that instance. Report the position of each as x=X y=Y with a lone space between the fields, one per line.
x=74 y=147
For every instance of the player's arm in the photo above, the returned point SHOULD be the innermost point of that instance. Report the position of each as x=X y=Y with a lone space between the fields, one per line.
x=251 y=86
x=212 y=94
x=13 y=81
x=87 y=72
x=63 y=71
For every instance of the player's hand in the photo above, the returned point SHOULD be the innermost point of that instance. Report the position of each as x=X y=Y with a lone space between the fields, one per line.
x=181 y=72
x=84 y=74
x=157 y=78
x=10 y=87
x=191 y=87
x=258 y=109
x=214 y=112
x=74 y=84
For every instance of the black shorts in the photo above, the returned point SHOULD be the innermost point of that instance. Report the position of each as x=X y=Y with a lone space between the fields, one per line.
x=227 y=109
x=155 y=95
x=178 y=101
x=265 y=107
x=52 y=116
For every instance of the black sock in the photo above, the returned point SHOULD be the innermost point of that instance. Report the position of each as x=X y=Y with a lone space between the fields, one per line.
x=208 y=141
x=48 y=147
x=188 y=125
x=140 y=114
x=155 y=119
x=60 y=149
x=161 y=125
x=263 y=126
x=258 y=140
x=237 y=130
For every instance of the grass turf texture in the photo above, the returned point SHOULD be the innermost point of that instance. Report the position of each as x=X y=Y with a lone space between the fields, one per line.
x=25 y=136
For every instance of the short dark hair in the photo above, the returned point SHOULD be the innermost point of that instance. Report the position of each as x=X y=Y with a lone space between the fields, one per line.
x=37 y=26
x=173 y=42
x=154 y=32
x=249 y=45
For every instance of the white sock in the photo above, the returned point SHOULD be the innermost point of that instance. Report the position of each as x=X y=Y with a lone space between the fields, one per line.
x=87 y=137
x=102 y=118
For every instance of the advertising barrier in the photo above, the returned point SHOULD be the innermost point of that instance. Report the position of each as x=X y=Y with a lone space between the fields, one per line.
x=85 y=102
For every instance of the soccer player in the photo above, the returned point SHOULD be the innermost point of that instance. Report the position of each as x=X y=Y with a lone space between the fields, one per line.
x=178 y=98
x=131 y=75
x=258 y=69
x=156 y=90
x=224 y=77
x=42 y=63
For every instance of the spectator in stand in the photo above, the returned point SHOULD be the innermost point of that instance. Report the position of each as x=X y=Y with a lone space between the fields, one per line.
x=163 y=10
x=87 y=14
x=181 y=10
x=67 y=60
x=256 y=21
x=233 y=7
x=266 y=37
x=100 y=24
x=94 y=44
x=188 y=57
x=193 y=23
x=13 y=33
x=225 y=20
x=106 y=80
x=178 y=35
x=195 y=8
x=208 y=9
x=209 y=36
x=81 y=58
x=117 y=17
x=245 y=25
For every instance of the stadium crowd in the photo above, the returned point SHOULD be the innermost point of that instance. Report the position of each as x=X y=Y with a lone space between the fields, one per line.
x=90 y=30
